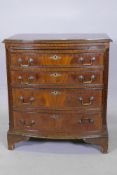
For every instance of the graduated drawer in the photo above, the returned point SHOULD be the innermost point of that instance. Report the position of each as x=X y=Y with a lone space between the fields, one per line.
x=57 y=98
x=66 y=123
x=34 y=59
x=53 y=77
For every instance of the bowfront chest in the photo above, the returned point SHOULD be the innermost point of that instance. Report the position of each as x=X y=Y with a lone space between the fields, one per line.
x=57 y=87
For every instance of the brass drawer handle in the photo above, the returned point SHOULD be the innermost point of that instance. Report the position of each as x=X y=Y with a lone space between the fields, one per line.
x=86 y=120
x=30 y=79
x=55 y=93
x=20 y=78
x=82 y=79
x=87 y=64
x=30 y=61
x=23 y=123
x=31 y=100
x=54 y=116
x=55 y=57
x=86 y=104
x=55 y=75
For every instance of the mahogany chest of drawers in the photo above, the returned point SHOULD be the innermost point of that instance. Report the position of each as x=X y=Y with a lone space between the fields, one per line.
x=57 y=87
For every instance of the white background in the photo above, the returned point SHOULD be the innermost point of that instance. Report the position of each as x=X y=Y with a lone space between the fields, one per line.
x=58 y=16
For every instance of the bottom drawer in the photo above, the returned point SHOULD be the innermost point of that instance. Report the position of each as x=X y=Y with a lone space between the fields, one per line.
x=68 y=123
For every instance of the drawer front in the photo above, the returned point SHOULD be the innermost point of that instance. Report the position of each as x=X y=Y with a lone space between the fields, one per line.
x=68 y=123
x=82 y=77
x=25 y=60
x=57 y=98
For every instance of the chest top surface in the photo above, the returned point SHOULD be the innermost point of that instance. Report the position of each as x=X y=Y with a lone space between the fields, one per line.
x=35 y=38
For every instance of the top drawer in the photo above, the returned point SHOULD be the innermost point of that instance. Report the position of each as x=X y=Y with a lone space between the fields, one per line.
x=35 y=59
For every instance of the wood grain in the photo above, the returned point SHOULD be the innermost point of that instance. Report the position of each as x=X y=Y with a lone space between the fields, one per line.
x=57 y=98
x=69 y=124
x=79 y=78
x=47 y=59
x=51 y=93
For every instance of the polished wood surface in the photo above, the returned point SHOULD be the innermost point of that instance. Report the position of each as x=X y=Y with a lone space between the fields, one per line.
x=32 y=59
x=57 y=98
x=57 y=77
x=77 y=124
x=57 y=87
x=59 y=37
